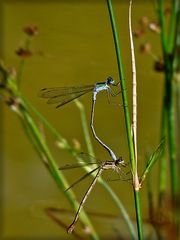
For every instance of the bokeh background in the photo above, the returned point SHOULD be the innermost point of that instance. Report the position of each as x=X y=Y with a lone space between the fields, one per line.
x=76 y=41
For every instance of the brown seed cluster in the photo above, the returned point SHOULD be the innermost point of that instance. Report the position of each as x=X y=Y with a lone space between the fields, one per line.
x=31 y=30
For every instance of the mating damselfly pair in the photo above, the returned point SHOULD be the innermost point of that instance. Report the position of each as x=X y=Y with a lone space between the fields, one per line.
x=63 y=95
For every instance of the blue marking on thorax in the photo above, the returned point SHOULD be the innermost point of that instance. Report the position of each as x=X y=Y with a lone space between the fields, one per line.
x=100 y=87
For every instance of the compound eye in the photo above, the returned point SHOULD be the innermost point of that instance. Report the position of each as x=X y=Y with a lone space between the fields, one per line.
x=121 y=160
x=110 y=80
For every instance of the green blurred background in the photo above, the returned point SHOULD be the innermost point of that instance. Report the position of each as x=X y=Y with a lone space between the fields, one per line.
x=76 y=39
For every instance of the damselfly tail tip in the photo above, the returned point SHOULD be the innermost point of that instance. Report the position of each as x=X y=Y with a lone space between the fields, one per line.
x=70 y=229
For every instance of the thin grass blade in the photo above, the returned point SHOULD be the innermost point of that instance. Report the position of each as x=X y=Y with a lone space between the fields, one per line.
x=152 y=160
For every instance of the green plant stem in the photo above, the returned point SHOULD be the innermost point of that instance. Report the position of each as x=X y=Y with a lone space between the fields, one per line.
x=162 y=25
x=51 y=129
x=123 y=85
x=30 y=137
x=127 y=119
x=172 y=26
x=101 y=181
x=171 y=136
x=169 y=95
x=138 y=214
x=172 y=48
x=21 y=109
x=162 y=160
x=85 y=128
x=57 y=175
x=152 y=212
x=150 y=197
x=176 y=45
x=177 y=88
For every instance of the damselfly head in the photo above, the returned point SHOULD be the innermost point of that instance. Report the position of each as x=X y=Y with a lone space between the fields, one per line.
x=110 y=81
x=120 y=160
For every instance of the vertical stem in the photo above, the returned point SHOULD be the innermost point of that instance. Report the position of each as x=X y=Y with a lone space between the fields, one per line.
x=164 y=115
x=138 y=215
x=85 y=128
x=127 y=118
x=162 y=160
x=150 y=198
x=162 y=25
x=134 y=129
x=134 y=99
x=134 y=84
x=172 y=25
x=176 y=67
x=169 y=101
x=123 y=85
x=171 y=135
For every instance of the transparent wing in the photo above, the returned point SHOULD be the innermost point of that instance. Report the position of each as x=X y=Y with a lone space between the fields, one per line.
x=88 y=158
x=123 y=176
x=76 y=165
x=87 y=161
x=82 y=178
x=62 y=91
x=61 y=100
x=64 y=95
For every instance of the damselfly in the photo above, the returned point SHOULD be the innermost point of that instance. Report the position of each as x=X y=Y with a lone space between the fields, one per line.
x=105 y=165
x=63 y=95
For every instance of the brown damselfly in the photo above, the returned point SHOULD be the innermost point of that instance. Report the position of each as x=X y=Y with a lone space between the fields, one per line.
x=115 y=166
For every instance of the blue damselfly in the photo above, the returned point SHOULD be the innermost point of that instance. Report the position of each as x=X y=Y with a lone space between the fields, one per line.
x=63 y=95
